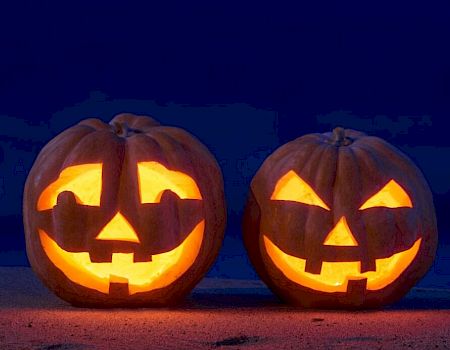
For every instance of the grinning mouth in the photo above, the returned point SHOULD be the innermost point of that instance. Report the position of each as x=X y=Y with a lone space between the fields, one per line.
x=162 y=270
x=334 y=276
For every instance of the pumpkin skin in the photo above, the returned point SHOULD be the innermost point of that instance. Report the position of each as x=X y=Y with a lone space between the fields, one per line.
x=139 y=206
x=340 y=220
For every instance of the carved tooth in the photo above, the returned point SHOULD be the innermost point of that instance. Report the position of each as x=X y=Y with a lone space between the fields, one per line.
x=356 y=290
x=100 y=256
x=313 y=266
x=118 y=286
x=142 y=257
x=368 y=265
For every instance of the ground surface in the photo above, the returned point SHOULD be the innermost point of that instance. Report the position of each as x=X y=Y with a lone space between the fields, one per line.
x=220 y=314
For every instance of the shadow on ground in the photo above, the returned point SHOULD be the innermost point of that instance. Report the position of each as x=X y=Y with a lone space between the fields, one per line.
x=19 y=288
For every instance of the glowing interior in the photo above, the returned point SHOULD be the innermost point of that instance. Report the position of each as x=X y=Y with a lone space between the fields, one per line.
x=334 y=276
x=292 y=187
x=341 y=235
x=84 y=181
x=155 y=178
x=392 y=195
x=118 y=229
x=163 y=270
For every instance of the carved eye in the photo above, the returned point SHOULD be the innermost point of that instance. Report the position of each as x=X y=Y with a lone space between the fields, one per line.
x=84 y=181
x=392 y=195
x=154 y=179
x=292 y=187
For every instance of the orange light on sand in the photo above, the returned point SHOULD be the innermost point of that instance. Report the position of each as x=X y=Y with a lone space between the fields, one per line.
x=341 y=235
x=334 y=276
x=392 y=195
x=118 y=229
x=163 y=270
x=85 y=181
x=291 y=187
x=155 y=178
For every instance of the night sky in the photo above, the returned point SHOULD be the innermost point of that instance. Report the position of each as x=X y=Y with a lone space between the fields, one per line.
x=243 y=78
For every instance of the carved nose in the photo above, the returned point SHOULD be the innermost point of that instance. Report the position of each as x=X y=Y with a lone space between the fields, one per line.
x=341 y=235
x=118 y=229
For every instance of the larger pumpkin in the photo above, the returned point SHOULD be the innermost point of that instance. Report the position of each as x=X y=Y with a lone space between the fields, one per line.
x=129 y=213
x=340 y=219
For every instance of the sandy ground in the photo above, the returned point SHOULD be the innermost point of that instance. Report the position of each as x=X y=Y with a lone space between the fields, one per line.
x=220 y=314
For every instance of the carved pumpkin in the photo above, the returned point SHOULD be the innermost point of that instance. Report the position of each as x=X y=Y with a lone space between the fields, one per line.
x=126 y=214
x=340 y=219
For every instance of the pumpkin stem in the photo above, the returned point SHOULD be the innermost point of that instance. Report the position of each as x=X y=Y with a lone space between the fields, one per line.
x=339 y=138
x=123 y=130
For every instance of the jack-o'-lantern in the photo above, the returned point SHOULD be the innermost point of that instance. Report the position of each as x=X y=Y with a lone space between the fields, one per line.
x=129 y=213
x=340 y=219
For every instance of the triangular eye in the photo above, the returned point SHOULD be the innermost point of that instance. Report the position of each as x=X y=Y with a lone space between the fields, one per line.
x=292 y=187
x=392 y=195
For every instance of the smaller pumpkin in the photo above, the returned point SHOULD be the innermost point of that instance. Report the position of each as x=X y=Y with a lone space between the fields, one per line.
x=340 y=219
x=129 y=213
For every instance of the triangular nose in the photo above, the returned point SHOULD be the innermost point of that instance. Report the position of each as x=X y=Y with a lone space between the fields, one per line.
x=341 y=235
x=118 y=229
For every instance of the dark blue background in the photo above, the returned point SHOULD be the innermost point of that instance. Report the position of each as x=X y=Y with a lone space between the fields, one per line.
x=245 y=78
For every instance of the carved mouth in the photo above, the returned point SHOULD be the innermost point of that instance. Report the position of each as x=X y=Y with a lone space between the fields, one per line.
x=334 y=276
x=161 y=271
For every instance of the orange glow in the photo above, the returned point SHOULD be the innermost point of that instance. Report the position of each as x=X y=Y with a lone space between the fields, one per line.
x=392 y=195
x=163 y=270
x=85 y=181
x=292 y=187
x=155 y=178
x=118 y=229
x=334 y=276
x=341 y=235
